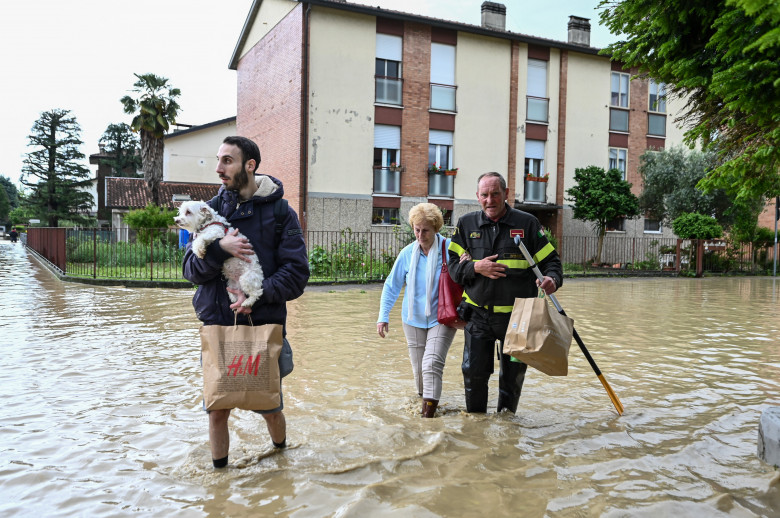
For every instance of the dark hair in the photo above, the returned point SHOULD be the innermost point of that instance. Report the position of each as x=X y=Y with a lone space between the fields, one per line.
x=249 y=150
x=501 y=180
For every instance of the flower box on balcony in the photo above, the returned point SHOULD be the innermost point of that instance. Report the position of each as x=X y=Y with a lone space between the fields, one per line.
x=435 y=169
x=536 y=178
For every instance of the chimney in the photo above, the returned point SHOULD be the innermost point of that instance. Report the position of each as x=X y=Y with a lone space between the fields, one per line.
x=494 y=16
x=579 y=31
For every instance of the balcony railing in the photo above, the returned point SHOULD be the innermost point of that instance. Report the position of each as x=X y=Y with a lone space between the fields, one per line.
x=537 y=109
x=535 y=190
x=441 y=184
x=443 y=97
x=387 y=180
x=389 y=90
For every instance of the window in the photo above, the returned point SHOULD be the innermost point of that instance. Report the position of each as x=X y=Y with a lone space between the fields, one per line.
x=617 y=225
x=534 y=158
x=653 y=225
x=618 y=120
x=657 y=99
x=617 y=159
x=537 y=101
x=383 y=216
x=388 y=69
x=442 y=77
x=387 y=158
x=535 y=191
x=440 y=158
x=447 y=216
x=656 y=125
x=656 y=122
x=619 y=90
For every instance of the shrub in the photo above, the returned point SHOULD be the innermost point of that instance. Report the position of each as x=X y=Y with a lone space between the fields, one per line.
x=691 y=225
x=147 y=220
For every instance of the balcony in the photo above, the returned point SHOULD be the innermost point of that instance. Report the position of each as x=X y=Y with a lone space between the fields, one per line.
x=535 y=189
x=537 y=109
x=388 y=90
x=387 y=180
x=443 y=97
x=441 y=183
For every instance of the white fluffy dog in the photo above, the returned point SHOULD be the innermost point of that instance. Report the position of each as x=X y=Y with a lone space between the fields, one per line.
x=206 y=225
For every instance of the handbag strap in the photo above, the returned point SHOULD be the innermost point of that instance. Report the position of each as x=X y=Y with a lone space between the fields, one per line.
x=444 y=256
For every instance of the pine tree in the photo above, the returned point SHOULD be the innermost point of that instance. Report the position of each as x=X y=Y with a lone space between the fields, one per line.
x=121 y=143
x=11 y=191
x=58 y=183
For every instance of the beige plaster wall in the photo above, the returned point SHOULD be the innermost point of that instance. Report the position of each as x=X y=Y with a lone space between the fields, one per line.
x=587 y=114
x=191 y=157
x=270 y=13
x=482 y=69
x=341 y=102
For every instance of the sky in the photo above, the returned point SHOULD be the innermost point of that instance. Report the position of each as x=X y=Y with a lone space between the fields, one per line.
x=80 y=55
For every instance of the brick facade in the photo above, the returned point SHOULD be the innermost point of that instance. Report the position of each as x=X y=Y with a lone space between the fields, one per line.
x=556 y=226
x=416 y=100
x=273 y=108
x=637 y=131
x=511 y=167
x=269 y=108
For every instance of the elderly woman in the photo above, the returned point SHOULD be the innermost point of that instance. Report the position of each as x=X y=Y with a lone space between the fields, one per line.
x=419 y=266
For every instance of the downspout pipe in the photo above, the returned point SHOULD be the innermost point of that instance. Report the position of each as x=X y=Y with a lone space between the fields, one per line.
x=305 y=120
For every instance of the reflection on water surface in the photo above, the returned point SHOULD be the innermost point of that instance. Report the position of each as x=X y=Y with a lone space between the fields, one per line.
x=101 y=413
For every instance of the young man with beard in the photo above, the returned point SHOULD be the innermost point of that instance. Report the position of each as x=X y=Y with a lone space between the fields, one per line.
x=247 y=200
x=493 y=279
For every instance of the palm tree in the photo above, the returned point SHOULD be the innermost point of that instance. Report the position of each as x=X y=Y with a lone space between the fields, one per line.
x=154 y=109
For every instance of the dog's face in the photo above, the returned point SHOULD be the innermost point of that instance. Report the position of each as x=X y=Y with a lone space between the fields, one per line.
x=194 y=215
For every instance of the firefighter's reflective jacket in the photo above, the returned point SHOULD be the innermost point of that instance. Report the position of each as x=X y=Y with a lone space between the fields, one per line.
x=482 y=237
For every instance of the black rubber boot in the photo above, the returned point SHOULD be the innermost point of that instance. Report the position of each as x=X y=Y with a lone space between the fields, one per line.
x=476 y=395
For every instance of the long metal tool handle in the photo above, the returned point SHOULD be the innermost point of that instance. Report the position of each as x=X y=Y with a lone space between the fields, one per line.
x=612 y=396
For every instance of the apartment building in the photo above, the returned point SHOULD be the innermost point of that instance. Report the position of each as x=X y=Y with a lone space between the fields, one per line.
x=364 y=112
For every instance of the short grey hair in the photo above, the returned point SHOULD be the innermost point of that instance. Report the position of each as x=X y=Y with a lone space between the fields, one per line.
x=501 y=180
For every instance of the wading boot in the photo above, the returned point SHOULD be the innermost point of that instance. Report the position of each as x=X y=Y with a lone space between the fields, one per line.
x=429 y=407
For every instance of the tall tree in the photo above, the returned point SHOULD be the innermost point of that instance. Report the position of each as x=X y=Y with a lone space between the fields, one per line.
x=600 y=197
x=154 y=108
x=121 y=143
x=669 y=179
x=57 y=180
x=723 y=56
x=5 y=206
x=11 y=191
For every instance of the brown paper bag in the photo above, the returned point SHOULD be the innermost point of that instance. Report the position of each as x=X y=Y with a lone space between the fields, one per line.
x=241 y=366
x=539 y=336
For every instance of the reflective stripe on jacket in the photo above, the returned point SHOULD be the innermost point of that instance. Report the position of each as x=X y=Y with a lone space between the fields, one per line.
x=482 y=237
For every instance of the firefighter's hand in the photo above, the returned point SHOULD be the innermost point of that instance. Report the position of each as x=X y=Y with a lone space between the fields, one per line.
x=488 y=267
x=548 y=285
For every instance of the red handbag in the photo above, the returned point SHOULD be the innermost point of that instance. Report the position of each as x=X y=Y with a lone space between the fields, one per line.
x=450 y=295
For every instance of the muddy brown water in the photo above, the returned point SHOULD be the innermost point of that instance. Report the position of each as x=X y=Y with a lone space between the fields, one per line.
x=101 y=409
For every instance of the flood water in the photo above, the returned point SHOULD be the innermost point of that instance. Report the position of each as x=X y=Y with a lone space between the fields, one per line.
x=101 y=409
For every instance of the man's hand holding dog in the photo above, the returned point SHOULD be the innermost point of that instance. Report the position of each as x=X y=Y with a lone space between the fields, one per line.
x=240 y=298
x=237 y=246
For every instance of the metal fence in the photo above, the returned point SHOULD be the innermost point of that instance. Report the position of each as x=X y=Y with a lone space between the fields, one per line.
x=346 y=256
x=647 y=253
